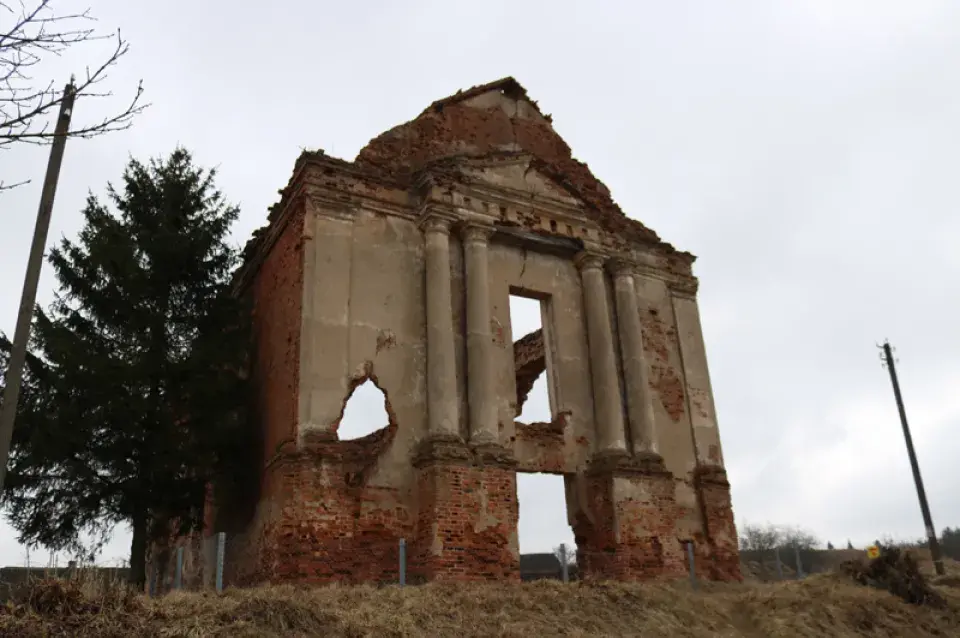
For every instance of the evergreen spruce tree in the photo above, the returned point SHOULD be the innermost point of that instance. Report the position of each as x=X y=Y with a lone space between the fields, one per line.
x=133 y=401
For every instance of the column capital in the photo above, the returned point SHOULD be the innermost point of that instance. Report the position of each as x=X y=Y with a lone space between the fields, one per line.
x=433 y=222
x=588 y=260
x=621 y=267
x=476 y=232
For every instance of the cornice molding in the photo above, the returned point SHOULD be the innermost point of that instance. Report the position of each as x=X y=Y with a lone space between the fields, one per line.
x=678 y=285
x=684 y=287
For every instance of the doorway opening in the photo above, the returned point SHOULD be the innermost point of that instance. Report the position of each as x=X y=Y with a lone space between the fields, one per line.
x=543 y=530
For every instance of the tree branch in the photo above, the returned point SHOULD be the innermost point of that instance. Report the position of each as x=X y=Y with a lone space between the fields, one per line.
x=25 y=110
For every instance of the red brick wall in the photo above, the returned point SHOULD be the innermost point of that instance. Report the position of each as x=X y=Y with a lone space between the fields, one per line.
x=630 y=532
x=466 y=524
x=437 y=133
x=723 y=559
x=278 y=300
x=659 y=342
x=322 y=521
x=529 y=363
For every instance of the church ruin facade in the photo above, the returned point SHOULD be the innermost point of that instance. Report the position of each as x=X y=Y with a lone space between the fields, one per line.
x=397 y=268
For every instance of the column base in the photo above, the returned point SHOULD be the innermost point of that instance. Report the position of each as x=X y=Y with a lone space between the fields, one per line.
x=494 y=455
x=441 y=448
x=621 y=463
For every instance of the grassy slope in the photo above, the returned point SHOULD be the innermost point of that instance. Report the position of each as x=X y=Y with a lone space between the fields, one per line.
x=820 y=606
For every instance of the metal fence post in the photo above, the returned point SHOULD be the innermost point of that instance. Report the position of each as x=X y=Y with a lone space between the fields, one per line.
x=564 y=567
x=776 y=554
x=178 y=575
x=796 y=551
x=153 y=580
x=692 y=562
x=221 y=546
x=403 y=562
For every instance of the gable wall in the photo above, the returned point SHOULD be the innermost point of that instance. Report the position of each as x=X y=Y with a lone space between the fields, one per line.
x=336 y=510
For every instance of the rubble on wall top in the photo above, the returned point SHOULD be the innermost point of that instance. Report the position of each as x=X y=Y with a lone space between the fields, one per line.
x=508 y=86
x=449 y=129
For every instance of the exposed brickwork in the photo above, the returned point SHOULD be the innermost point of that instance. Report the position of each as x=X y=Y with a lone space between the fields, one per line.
x=628 y=528
x=721 y=532
x=529 y=362
x=334 y=511
x=659 y=339
x=450 y=127
x=278 y=299
x=326 y=524
x=468 y=515
x=541 y=445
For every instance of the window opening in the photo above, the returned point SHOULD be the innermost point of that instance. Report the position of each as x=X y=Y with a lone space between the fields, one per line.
x=364 y=413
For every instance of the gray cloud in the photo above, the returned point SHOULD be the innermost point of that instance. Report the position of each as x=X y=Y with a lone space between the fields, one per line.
x=803 y=150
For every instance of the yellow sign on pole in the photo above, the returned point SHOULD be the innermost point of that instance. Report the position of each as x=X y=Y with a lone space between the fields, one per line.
x=873 y=552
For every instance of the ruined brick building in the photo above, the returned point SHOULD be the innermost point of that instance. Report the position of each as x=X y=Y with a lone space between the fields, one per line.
x=397 y=268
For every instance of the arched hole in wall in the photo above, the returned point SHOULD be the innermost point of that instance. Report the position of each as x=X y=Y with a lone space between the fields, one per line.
x=530 y=360
x=543 y=526
x=364 y=413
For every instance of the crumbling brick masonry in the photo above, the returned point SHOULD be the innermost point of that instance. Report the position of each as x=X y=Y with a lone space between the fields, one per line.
x=397 y=268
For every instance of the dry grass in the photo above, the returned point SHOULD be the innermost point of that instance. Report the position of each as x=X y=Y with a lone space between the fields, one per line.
x=822 y=606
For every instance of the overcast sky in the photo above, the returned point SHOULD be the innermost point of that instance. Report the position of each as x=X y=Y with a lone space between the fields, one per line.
x=805 y=150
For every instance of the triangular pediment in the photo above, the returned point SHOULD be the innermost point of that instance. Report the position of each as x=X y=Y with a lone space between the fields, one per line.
x=514 y=188
x=519 y=176
x=489 y=121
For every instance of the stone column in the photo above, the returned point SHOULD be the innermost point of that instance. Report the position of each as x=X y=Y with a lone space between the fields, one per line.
x=607 y=409
x=481 y=391
x=635 y=374
x=442 y=409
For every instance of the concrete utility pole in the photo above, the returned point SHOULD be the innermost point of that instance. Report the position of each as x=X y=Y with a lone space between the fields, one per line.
x=18 y=353
x=917 y=479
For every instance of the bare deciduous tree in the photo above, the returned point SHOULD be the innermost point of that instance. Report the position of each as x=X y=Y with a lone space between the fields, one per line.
x=569 y=552
x=799 y=538
x=759 y=538
x=31 y=32
x=768 y=537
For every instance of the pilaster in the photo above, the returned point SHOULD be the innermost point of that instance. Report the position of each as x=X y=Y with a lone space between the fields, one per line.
x=481 y=388
x=640 y=412
x=608 y=412
x=442 y=404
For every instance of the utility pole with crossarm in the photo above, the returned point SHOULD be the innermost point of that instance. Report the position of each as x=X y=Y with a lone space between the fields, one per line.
x=888 y=361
